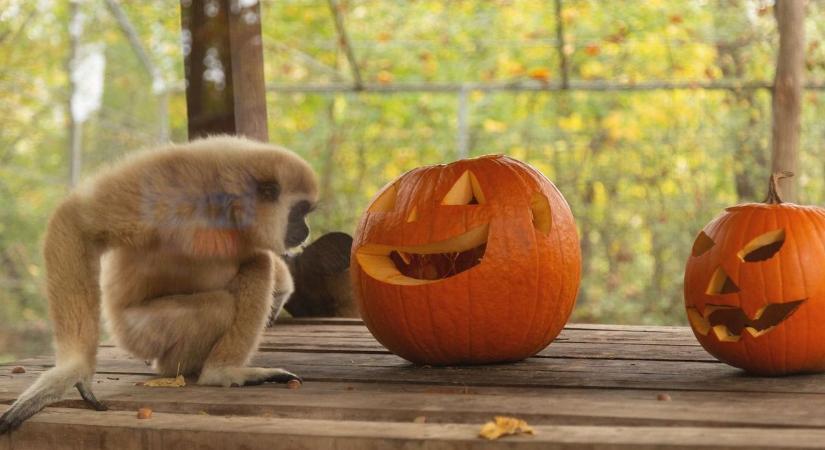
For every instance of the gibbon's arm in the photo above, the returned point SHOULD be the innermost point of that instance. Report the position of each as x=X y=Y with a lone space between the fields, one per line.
x=72 y=267
x=219 y=201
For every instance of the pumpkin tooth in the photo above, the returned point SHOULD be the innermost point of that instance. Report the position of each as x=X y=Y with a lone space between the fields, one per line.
x=404 y=257
x=756 y=333
x=723 y=334
x=699 y=323
x=759 y=312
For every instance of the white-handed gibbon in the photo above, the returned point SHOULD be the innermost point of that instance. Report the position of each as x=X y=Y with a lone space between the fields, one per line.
x=181 y=246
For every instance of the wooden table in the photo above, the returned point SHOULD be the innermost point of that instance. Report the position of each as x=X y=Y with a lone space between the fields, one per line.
x=597 y=386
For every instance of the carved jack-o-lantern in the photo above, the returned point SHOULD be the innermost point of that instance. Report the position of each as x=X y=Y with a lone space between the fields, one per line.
x=755 y=287
x=472 y=262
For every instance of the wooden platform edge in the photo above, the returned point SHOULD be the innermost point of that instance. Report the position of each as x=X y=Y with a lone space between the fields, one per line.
x=58 y=428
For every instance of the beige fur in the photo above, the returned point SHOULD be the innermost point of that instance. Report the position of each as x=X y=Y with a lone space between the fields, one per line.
x=180 y=244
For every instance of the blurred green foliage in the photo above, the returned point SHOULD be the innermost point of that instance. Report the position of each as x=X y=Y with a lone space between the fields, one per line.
x=642 y=170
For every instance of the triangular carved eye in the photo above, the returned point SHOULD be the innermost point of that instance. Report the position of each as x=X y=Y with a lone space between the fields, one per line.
x=385 y=201
x=720 y=283
x=763 y=247
x=465 y=191
x=702 y=244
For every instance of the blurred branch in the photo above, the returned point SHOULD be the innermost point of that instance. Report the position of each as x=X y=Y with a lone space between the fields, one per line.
x=307 y=59
x=343 y=39
x=11 y=145
x=565 y=69
x=594 y=86
x=9 y=37
x=75 y=128
x=131 y=34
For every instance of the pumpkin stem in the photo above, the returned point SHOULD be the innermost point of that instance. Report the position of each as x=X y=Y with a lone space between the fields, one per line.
x=773 y=187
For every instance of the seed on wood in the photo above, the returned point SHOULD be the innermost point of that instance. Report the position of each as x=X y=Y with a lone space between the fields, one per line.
x=144 y=413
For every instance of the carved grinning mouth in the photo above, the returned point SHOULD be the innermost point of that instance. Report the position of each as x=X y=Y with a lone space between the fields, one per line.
x=427 y=263
x=435 y=266
x=728 y=322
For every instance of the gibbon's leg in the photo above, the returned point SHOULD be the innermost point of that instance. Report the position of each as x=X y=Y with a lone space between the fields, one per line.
x=177 y=332
x=252 y=288
x=72 y=267
x=283 y=290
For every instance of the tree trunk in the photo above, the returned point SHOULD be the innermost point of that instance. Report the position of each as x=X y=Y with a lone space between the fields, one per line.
x=787 y=92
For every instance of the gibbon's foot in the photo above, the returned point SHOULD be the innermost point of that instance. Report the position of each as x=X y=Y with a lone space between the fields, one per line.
x=20 y=412
x=244 y=376
x=10 y=420
x=89 y=397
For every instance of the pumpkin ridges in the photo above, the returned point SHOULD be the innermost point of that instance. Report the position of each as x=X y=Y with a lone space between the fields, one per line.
x=536 y=278
x=800 y=352
x=560 y=221
x=439 y=353
x=491 y=173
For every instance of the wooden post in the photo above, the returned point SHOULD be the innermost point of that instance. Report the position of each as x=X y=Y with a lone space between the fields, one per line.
x=223 y=56
x=787 y=92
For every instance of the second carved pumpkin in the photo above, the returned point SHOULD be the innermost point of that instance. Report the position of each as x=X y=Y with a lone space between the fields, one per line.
x=755 y=287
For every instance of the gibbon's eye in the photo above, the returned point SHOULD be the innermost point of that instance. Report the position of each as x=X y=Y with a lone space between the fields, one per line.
x=702 y=244
x=386 y=201
x=465 y=191
x=763 y=247
x=269 y=190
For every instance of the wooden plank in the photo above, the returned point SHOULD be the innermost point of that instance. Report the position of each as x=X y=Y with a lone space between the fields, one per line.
x=579 y=350
x=59 y=428
x=223 y=58
x=300 y=322
x=536 y=372
x=399 y=403
x=679 y=336
x=598 y=384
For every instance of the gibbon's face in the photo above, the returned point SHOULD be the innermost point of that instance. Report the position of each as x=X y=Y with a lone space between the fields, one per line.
x=280 y=223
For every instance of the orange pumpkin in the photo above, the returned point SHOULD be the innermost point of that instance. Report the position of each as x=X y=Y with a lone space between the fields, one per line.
x=472 y=262
x=755 y=287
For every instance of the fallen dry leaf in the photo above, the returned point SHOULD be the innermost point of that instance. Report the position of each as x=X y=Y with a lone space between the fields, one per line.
x=502 y=426
x=144 y=413
x=18 y=369
x=178 y=381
